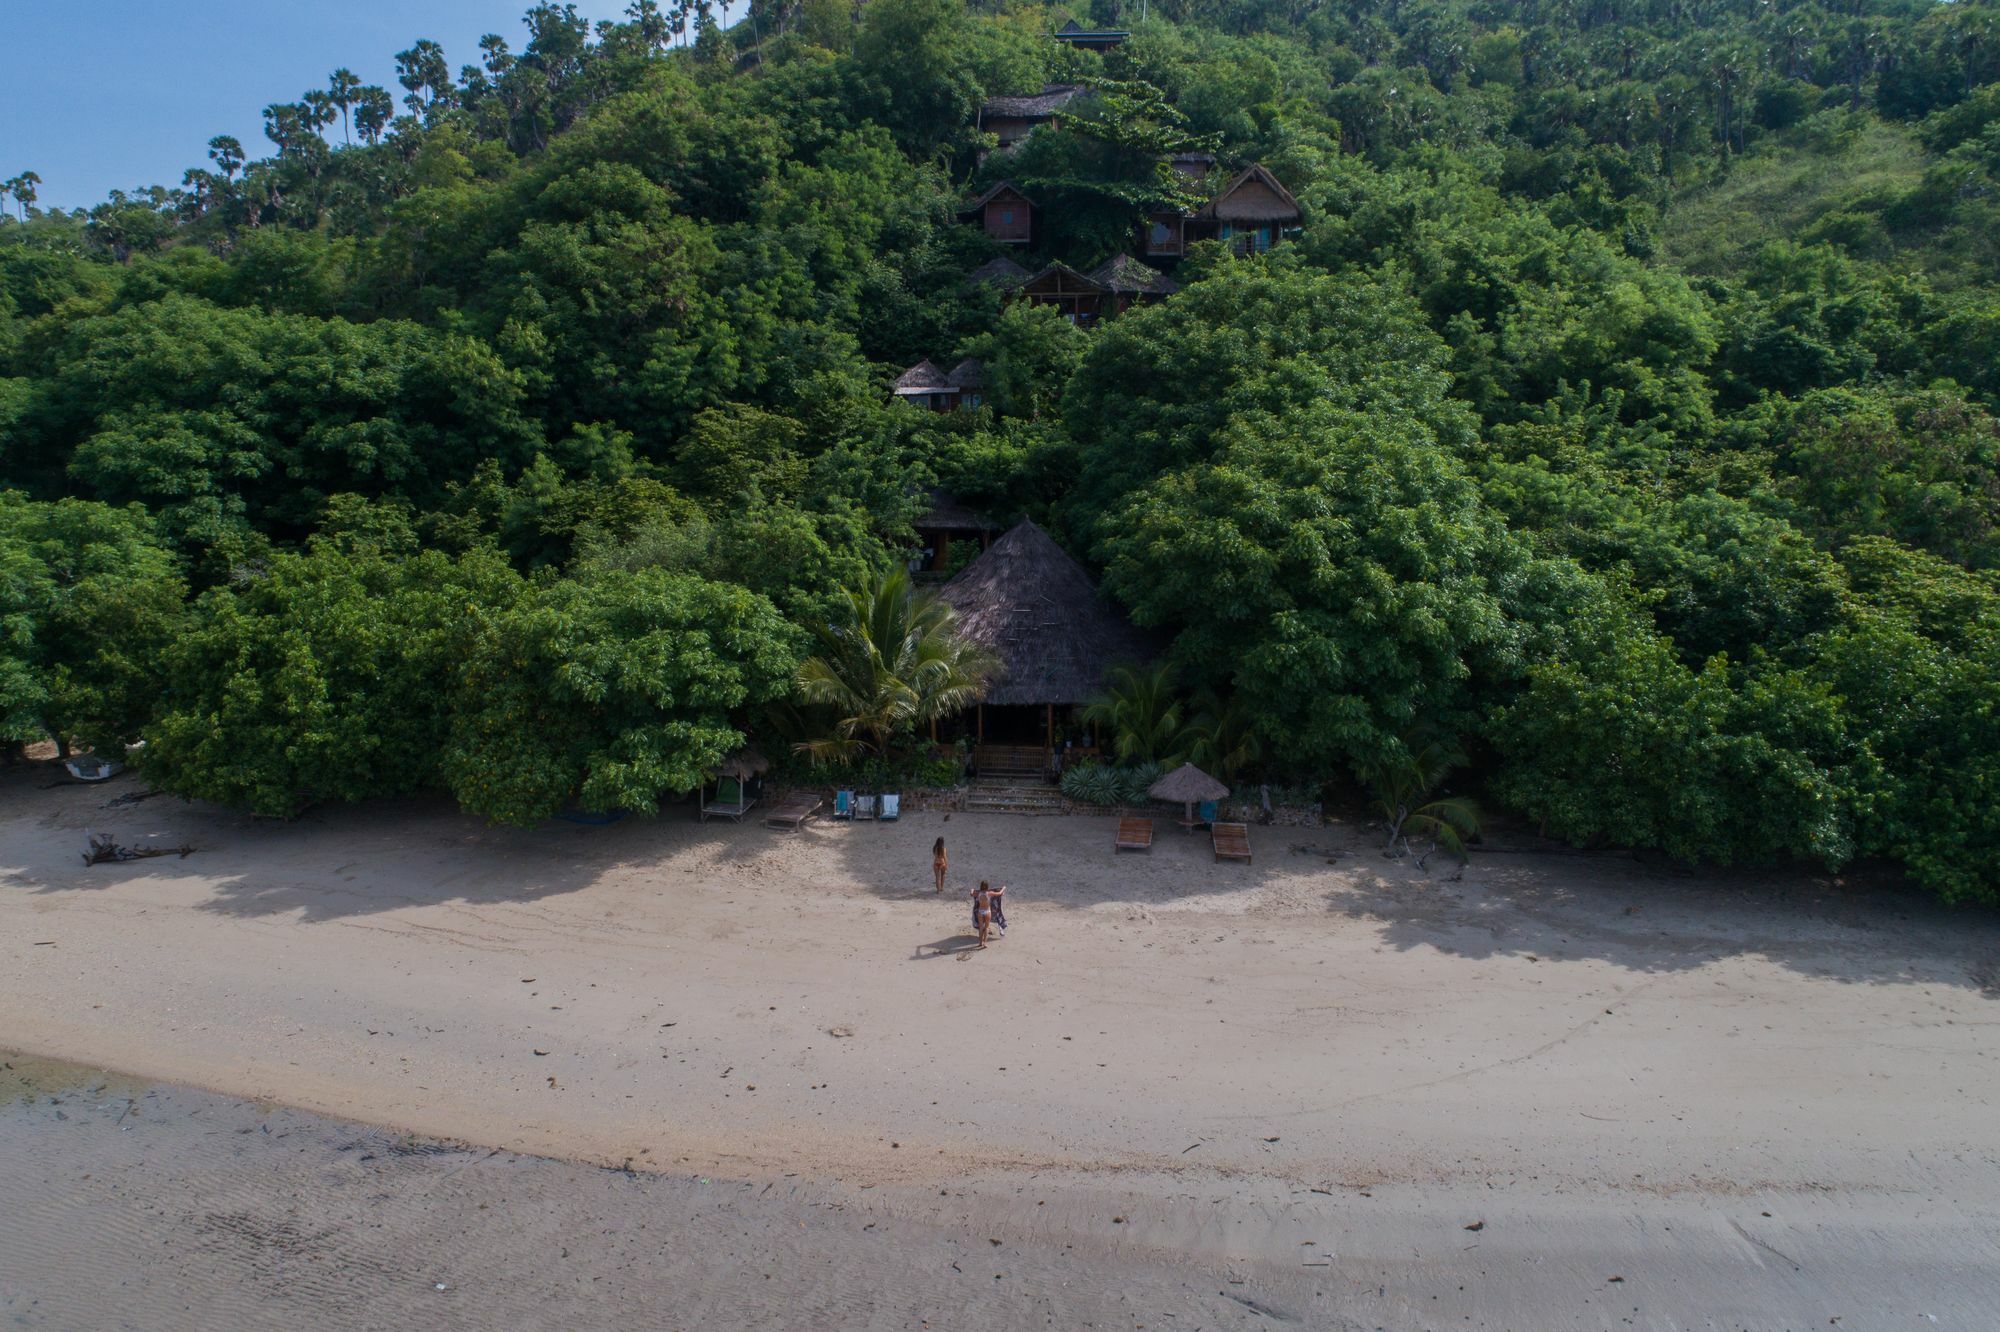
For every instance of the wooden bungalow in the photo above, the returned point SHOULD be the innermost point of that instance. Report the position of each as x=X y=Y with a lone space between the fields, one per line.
x=1002 y=272
x=1027 y=602
x=947 y=521
x=1081 y=299
x=1075 y=34
x=1012 y=119
x=1004 y=213
x=968 y=379
x=1127 y=282
x=1250 y=212
x=924 y=385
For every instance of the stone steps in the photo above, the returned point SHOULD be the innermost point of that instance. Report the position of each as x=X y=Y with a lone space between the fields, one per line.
x=1003 y=798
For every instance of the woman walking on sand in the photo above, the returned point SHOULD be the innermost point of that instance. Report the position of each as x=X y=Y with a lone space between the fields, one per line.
x=982 y=911
x=987 y=898
x=939 y=862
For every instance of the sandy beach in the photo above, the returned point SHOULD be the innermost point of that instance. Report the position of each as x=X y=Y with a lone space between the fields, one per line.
x=1764 y=1099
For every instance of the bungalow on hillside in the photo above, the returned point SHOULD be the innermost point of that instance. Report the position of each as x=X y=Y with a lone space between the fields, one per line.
x=1079 y=298
x=1004 y=213
x=1003 y=273
x=1252 y=211
x=1075 y=34
x=947 y=520
x=1112 y=288
x=960 y=389
x=1127 y=282
x=1035 y=609
x=1012 y=119
x=924 y=385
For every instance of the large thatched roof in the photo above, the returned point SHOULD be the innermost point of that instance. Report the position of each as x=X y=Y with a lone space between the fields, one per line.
x=1026 y=601
x=923 y=377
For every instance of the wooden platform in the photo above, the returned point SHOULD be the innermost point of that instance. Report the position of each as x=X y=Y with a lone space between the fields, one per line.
x=1231 y=841
x=794 y=811
x=1134 y=835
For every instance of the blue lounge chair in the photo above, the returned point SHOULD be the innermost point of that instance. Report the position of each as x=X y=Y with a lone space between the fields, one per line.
x=864 y=807
x=892 y=808
x=1206 y=812
x=843 y=804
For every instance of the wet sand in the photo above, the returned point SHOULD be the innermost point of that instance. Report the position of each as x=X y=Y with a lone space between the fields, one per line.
x=1762 y=1100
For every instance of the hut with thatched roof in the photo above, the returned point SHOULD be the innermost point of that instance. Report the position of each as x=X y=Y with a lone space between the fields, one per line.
x=924 y=385
x=1002 y=272
x=949 y=519
x=1127 y=282
x=1251 y=211
x=1056 y=637
x=1012 y=119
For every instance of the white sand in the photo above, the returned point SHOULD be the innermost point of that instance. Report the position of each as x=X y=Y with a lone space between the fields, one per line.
x=1576 y=1043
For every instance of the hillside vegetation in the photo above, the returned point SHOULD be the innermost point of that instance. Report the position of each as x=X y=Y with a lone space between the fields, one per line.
x=1622 y=411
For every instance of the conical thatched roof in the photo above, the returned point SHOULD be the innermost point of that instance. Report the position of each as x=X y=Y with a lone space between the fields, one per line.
x=1026 y=601
x=1187 y=785
x=923 y=377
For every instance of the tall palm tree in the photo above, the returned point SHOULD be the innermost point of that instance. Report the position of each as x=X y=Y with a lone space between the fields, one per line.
x=889 y=659
x=1142 y=713
x=1402 y=782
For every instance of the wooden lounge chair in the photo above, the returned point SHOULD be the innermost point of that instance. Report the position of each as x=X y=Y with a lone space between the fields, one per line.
x=796 y=809
x=1231 y=841
x=1133 y=835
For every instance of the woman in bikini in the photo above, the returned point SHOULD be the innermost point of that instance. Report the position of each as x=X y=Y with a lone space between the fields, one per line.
x=982 y=911
x=939 y=863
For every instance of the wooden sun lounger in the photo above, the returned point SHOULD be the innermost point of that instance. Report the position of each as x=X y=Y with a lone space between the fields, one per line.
x=1231 y=841
x=793 y=813
x=1134 y=835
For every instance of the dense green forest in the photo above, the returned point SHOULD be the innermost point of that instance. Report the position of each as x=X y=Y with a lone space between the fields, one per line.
x=1624 y=409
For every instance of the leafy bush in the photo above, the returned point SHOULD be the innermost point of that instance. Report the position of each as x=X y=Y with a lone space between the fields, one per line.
x=1102 y=785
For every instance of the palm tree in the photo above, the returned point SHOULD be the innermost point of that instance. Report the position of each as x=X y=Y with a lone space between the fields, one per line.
x=345 y=90
x=1142 y=713
x=1223 y=743
x=889 y=659
x=1402 y=782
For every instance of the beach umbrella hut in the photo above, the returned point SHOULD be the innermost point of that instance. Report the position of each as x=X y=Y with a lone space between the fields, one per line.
x=732 y=785
x=1187 y=786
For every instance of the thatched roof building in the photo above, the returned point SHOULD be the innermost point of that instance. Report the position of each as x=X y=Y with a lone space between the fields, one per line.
x=1123 y=275
x=1253 y=196
x=1001 y=272
x=1027 y=602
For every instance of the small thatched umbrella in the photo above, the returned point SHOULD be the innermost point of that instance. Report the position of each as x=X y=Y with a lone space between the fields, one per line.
x=1187 y=785
x=743 y=764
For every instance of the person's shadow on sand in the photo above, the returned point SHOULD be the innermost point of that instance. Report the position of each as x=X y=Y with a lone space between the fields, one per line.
x=955 y=946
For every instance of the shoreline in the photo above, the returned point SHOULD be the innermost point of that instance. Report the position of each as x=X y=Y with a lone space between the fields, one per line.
x=1233 y=1059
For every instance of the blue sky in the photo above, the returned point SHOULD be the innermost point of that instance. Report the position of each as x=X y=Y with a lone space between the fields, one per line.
x=126 y=93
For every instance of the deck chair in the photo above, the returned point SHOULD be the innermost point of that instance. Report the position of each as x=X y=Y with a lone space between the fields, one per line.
x=793 y=813
x=843 y=804
x=1231 y=841
x=731 y=801
x=892 y=808
x=864 y=807
x=1133 y=835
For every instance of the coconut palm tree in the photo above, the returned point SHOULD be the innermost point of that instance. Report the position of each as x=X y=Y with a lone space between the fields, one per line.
x=1402 y=783
x=1142 y=713
x=888 y=660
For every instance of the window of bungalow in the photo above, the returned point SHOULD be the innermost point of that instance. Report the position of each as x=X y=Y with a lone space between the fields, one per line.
x=1006 y=217
x=1161 y=237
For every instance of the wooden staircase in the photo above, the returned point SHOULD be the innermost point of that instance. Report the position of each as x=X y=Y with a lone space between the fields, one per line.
x=1012 y=779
